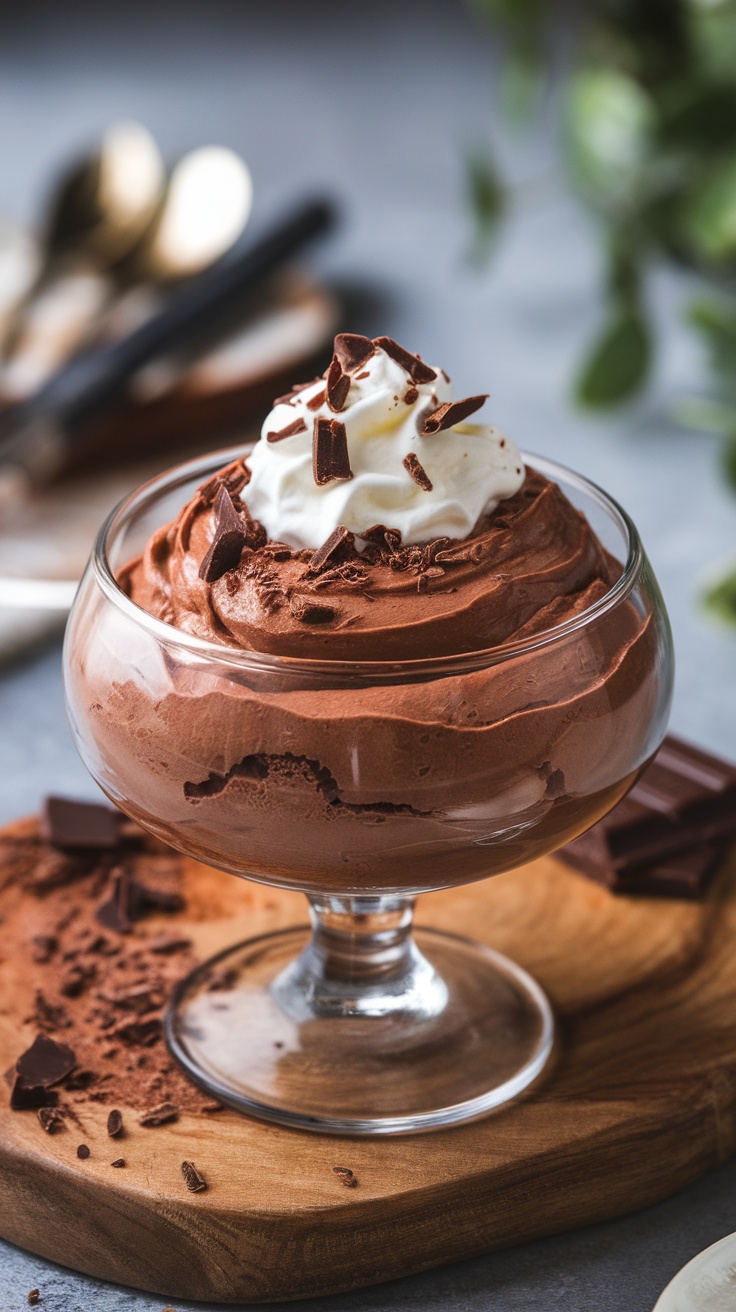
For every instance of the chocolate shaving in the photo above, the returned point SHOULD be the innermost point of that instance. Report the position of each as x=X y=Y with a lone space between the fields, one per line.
x=413 y=466
x=352 y=351
x=330 y=457
x=51 y=1120
x=161 y=1115
x=194 y=1182
x=418 y=371
x=115 y=1123
x=379 y=535
x=452 y=412
x=228 y=542
x=288 y=397
x=309 y=611
x=316 y=401
x=291 y=430
x=119 y=1161
x=339 y=537
x=69 y=824
x=234 y=477
x=338 y=385
x=83 y=1152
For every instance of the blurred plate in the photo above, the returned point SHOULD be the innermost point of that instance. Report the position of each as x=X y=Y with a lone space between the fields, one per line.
x=175 y=409
x=706 y=1284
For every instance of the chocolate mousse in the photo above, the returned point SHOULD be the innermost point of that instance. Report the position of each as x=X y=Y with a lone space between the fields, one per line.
x=375 y=521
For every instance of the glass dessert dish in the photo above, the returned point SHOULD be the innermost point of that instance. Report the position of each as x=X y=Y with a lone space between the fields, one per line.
x=362 y=784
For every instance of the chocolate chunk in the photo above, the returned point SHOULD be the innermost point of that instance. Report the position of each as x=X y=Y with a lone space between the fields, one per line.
x=411 y=395
x=418 y=371
x=115 y=912
x=51 y=1119
x=389 y=539
x=139 y=1033
x=346 y=1176
x=418 y=473
x=119 y=1161
x=194 y=1182
x=34 y=1296
x=452 y=412
x=26 y=1097
x=228 y=542
x=115 y=1123
x=339 y=538
x=352 y=351
x=46 y=1062
x=685 y=799
x=69 y=824
x=291 y=430
x=338 y=385
x=83 y=1152
x=309 y=611
x=161 y=1115
x=288 y=397
x=330 y=457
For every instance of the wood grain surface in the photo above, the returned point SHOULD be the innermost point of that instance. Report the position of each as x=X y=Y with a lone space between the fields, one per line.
x=641 y=1100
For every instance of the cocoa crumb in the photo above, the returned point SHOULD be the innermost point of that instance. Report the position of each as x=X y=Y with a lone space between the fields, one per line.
x=83 y=1152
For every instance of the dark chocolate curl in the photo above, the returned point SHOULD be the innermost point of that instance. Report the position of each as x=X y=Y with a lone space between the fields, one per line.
x=278 y=434
x=452 y=412
x=330 y=458
x=338 y=385
x=352 y=351
x=418 y=472
x=418 y=371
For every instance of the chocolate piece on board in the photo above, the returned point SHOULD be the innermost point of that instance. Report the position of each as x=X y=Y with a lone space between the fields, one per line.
x=686 y=798
x=193 y=1179
x=69 y=824
x=45 y=1063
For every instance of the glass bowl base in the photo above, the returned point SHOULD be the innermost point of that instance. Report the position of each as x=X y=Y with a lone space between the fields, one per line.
x=245 y=1029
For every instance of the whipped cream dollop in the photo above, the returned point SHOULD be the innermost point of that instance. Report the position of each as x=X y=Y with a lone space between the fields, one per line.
x=377 y=441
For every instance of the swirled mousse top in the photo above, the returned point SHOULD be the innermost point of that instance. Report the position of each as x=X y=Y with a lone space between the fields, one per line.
x=373 y=522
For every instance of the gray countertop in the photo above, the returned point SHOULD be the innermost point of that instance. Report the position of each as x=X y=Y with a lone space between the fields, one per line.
x=379 y=107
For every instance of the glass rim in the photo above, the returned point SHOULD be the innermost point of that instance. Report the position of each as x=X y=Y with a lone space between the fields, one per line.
x=208 y=463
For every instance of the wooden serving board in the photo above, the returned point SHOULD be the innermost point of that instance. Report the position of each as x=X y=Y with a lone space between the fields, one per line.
x=642 y=1099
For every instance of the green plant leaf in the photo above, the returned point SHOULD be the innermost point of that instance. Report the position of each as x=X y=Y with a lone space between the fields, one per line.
x=728 y=459
x=720 y=599
x=716 y=320
x=610 y=130
x=487 y=200
x=708 y=214
x=618 y=363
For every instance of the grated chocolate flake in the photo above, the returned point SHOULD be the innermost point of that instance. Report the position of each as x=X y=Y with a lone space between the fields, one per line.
x=346 y=1176
x=309 y=611
x=352 y=351
x=234 y=477
x=164 y=1114
x=418 y=371
x=194 y=1181
x=452 y=412
x=330 y=457
x=115 y=1123
x=413 y=466
x=339 y=538
x=291 y=430
x=50 y=1119
x=228 y=542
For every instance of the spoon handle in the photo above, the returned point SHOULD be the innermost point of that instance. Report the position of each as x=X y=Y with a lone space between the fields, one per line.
x=36 y=434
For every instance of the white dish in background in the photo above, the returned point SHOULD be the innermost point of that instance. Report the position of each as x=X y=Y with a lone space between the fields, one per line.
x=706 y=1284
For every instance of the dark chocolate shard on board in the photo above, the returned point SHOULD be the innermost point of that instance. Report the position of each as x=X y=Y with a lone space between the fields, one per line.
x=339 y=537
x=51 y=1120
x=352 y=351
x=46 y=1062
x=291 y=430
x=413 y=466
x=451 y=412
x=668 y=835
x=68 y=824
x=116 y=910
x=25 y=1097
x=418 y=371
x=229 y=539
x=330 y=458
x=115 y=1123
x=194 y=1182
x=338 y=385
x=161 y=1115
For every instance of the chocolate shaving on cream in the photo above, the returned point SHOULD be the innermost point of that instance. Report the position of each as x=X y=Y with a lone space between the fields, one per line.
x=338 y=385
x=417 y=370
x=413 y=466
x=452 y=412
x=291 y=430
x=330 y=458
x=352 y=351
x=339 y=537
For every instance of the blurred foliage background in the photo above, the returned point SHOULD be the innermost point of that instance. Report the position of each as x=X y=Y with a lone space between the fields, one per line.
x=649 y=127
